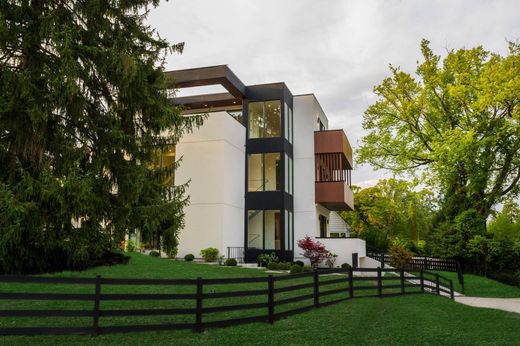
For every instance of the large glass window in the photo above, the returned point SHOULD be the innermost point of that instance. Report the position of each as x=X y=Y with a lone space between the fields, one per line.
x=164 y=161
x=263 y=172
x=255 y=229
x=264 y=119
x=264 y=229
x=288 y=120
x=288 y=174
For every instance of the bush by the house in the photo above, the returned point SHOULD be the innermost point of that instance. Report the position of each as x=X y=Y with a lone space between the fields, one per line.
x=189 y=257
x=154 y=253
x=346 y=266
x=295 y=269
x=130 y=246
x=264 y=259
x=306 y=269
x=284 y=265
x=399 y=256
x=300 y=263
x=231 y=262
x=272 y=266
x=209 y=254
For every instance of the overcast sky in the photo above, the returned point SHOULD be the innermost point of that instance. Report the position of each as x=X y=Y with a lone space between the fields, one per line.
x=337 y=50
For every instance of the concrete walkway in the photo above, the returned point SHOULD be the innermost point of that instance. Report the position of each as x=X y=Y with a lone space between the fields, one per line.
x=506 y=304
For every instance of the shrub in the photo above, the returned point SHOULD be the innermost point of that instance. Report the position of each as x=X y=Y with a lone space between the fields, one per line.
x=264 y=259
x=306 y=269
x=189 y=257
x=399 y=256
x=295 y=269
x=300 y=263
x=221 y=260
x=284 y=266
x=346 y=266
x=172 y=253
x=130 y=246
x=231 y=262
x=154 y=253
x=272 y=266
x=313 y=250
x=209 y=254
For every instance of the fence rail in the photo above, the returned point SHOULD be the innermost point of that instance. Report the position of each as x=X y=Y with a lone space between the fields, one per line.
x=311 y=294
x=423 y=263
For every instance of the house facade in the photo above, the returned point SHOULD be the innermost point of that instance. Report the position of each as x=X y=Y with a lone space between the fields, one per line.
x=263 y=171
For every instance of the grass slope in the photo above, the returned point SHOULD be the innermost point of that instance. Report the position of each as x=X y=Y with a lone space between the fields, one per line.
x=415 y=320
x=479 y=286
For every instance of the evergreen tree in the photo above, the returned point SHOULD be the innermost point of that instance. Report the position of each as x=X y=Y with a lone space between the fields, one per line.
x=83 y=107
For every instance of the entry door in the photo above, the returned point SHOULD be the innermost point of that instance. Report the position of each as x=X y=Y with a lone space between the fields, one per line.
x=323 y=226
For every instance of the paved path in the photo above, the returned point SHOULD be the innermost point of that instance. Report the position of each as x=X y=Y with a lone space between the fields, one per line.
x=506 y=304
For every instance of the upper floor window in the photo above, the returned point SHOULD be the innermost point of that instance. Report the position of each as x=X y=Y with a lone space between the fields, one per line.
x=265 y=119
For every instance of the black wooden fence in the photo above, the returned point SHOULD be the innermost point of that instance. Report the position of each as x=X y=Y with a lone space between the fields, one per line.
x=423 y=263
x=350 y=287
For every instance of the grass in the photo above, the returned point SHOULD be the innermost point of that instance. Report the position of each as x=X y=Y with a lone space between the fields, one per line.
x=479 y=286
x=417 y=319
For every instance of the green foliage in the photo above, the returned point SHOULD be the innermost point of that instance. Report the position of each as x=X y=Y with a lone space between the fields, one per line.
x=264 y=259
x=209 y=254
x=306 y=269
x=84 y=107
x=455 y=126
x=346 y=266
x=189 y=257
x=273 y=266
x=284 y=265
x=130 y=245
x=295 y=269
x=231 y=262
x=390 y=210
x=399 y=256
x=300 y=263
x=154 y=253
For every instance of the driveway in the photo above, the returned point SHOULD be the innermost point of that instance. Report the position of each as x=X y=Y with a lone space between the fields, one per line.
x=506 y=304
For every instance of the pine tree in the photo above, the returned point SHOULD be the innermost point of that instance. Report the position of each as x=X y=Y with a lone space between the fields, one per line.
x=83 y=107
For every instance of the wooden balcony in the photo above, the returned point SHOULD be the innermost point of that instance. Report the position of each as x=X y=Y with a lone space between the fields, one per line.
x=333 y=166
x=331 y=142
x=334 y=195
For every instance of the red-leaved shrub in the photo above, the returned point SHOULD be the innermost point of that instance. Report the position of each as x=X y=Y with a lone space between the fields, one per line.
x=313 y=250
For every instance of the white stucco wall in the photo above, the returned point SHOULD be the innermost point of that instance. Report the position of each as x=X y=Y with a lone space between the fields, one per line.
x=306 y=110
x=213 y=163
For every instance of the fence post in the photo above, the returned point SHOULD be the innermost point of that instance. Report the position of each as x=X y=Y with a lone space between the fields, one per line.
x=351 y=283
x=198 y=308
x=452 y=294
x=270 y=298
x=379 y=283
x=316 y=289
x=426 y=263
x=402 y=280
x=382 y=260
x=422 y=281
x=97 y=298
x=437 y=286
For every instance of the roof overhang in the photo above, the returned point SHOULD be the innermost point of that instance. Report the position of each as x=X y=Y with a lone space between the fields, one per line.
x=204 y=76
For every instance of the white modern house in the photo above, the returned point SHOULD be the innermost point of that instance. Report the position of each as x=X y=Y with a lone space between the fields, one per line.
x=264 y=170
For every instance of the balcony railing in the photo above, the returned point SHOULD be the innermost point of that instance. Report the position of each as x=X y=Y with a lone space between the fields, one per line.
x=333 y=165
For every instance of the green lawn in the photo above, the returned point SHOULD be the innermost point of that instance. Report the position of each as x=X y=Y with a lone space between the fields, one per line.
x=479 y=286
x=416 y=319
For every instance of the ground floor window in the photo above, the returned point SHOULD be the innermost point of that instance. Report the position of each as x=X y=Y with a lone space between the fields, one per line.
x=264 y=229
